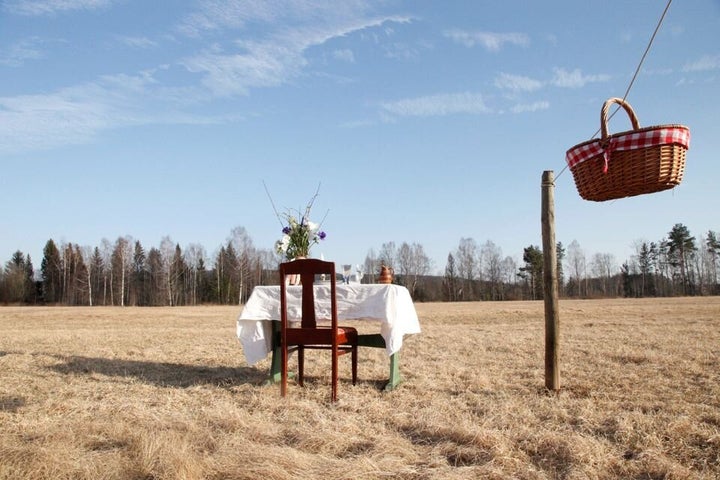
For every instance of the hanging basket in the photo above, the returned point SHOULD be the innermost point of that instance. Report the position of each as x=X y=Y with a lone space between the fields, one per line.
x=635 y=162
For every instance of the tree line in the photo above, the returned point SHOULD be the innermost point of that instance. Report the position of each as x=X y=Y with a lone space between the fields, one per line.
x=124 y=273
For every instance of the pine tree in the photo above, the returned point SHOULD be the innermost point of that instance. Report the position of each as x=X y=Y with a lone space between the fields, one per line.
x=681 y=246
x=51 y=273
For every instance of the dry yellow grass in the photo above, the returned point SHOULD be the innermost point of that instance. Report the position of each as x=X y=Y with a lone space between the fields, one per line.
x=164 y=393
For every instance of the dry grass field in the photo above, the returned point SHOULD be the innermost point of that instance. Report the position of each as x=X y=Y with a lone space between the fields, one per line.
x=165 y=393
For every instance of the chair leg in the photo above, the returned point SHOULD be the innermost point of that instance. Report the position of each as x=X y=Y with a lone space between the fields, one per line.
x=354 y=361
x=334 y=373
x=283 y=370
x=301 y=364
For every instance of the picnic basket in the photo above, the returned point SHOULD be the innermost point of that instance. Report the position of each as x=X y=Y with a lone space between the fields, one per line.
x=634 y=162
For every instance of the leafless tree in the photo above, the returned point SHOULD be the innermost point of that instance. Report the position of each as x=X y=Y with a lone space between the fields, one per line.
x=195 y=257
x=87 y=254
x=122 y=263
x=491 y=261
x=167 y=253
x=577 y=266
x=371 y=266
x=467 y=260
x=245 y=251
x=412 y=265
x=388 y=254
x=604 y=268
x=106 y=254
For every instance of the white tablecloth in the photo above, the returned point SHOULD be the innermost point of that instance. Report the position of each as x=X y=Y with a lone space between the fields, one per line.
x=391 y=305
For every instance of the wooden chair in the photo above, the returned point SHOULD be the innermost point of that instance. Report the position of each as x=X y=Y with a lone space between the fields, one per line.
x=310 y=335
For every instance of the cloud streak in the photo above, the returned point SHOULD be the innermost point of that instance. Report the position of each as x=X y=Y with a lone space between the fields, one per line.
x=50 y=7
x=16 y=54
x=490 y=41
x=276 y=56
x=517 y=83
x=437 y=105
x=705 y=63
x=530 y=107
x=575 y=78
x=76 y=115
x=271 y=61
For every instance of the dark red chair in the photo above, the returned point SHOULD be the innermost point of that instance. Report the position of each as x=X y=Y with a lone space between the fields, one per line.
x=310 y=335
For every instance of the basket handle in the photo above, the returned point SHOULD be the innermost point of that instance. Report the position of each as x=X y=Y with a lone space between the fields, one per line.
x=604 y=115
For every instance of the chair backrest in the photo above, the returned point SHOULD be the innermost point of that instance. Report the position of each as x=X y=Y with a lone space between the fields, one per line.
x=307 y=269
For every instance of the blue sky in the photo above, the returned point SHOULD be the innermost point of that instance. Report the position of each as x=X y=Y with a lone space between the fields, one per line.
x=424 y=122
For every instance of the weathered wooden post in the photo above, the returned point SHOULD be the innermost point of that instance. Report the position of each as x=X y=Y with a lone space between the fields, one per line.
x=550 y=284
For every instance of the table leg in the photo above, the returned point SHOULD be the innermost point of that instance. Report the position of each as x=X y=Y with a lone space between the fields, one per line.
x=376 y=340
x=276 y=354
x=395 y=378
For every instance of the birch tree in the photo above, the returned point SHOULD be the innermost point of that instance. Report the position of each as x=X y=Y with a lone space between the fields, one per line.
x=121 y=264
x=371 y=265
x=450 y=280
x=577 y=266
x=245 y=251
x=388 y=254
x=195 y=261
x=491 y=262
x=468 y=266
x=604 y=266
x=167 y=254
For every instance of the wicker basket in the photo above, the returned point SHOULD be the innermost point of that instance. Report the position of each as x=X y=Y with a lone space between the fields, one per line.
x=639 y=161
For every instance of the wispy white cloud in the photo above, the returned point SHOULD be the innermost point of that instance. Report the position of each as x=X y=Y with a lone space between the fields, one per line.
x=346 y=55
x=491 y=41
x=276 y=55
x=530 y=107
x=213 y=15
x=138 y=42
x=357 y=124
x=270 y=61
x=261 y=65
x=703 y=64
x=437 y=105
x=17 y=53
x=78 y=114
x=575 y=78
x=48 y=7
x=406 y=51
x=517 y=83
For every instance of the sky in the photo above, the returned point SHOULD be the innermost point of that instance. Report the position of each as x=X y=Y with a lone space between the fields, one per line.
x=419 y=121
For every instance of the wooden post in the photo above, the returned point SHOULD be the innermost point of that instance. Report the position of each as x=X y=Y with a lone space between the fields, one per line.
x=550 y=283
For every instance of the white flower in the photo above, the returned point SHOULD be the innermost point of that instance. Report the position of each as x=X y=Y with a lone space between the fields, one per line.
x=282 y=245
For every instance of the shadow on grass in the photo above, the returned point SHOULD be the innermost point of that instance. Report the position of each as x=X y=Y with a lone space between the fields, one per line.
x=11 y=403
x=164 y=374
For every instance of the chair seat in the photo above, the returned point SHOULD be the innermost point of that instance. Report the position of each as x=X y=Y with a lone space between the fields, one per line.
x=321 y=336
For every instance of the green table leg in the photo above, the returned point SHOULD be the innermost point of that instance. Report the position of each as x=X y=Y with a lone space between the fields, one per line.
x=276 y=355
x=395 y=378
x=376 y=340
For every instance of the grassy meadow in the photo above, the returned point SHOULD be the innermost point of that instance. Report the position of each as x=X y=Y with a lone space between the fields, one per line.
x=165 y=393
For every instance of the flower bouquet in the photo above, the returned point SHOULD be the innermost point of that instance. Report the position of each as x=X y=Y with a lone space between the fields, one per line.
x=298 y=236
x=299 y=233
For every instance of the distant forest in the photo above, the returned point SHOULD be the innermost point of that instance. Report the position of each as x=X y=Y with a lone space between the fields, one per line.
x=124 y=273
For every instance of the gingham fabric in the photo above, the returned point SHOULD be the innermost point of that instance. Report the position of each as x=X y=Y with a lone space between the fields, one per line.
x=650 y=137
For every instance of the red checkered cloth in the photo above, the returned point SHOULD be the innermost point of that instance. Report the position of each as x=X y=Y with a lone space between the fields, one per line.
x=649 y=137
